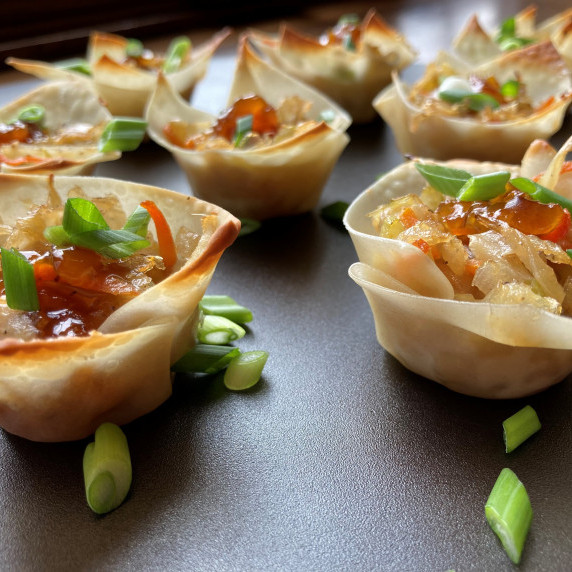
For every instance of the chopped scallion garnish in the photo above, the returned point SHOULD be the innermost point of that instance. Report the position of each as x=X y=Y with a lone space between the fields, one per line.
x=107 y=469
x=19 y=282
x=248 y=225
x=205 y=358
x=245 y=370
x=221 y=305
x=507 y=38
x=335 y=211
x=484 y=187
x=444 y=179
x=519 y=427
x=134 y=48
x=57 y=235
x=138 y=222
x=79 y=65
x=34 y=113
x=243 y=127
x=218 y=330
x=540 y=193
x=348 y=43
x=509 y=513
x=110 y=243
x=475 y=101
x=348 y=19
x=122 y=134
x=81 y=215
x=176 y=53
x=510 y=89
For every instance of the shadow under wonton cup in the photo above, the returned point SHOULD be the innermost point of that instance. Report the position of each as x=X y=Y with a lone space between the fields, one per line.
x=125 y=88
x=478 y=348
x=274 y=179
x=63 y=388
x=351 y=76
x=430 y=128
x=74 y=119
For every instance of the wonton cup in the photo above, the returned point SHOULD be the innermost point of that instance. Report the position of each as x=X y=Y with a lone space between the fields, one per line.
x=125 y=89
x=351 y=78
x=279 y=179
x=476 y=46
x=61 y=389
x=431 y=134
x=66 y=103
x=476 y=348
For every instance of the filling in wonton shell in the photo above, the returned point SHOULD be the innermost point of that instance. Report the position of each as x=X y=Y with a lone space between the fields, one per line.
x=350 y=63
x=66 y=139
x=62 y=388
x=267 y=173
x=472 y=118
x=504 y=334
x=124 y=87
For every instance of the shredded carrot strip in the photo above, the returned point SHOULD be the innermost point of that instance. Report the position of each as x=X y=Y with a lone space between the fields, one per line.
x=421 y=245
x=545 y=104
x=471 y=266
x=408 y=218
x=167 y=247
x=44 y=271
x=20 y=160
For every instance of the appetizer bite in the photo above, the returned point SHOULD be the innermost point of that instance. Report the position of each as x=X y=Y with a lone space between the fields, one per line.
x=350 y=62
x=475 y=259
x=58 y=128
x=491 y=112
x=100 y=285
x=268 y=155
x=124 y=73
x=476 y=46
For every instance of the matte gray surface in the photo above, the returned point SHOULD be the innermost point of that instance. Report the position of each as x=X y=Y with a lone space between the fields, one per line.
x=339 y=459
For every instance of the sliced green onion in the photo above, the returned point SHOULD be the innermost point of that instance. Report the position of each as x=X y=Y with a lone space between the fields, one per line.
x=110 y=243
x=335 y=211
x=327 y=115
x=248 y=225
x=508 y=27
x=243 y=127
x=444 y=179
x=79 y=65
x=519 y=427
x=348 y=19
x=510 y=89
x=478 y=101
x=348 y=43
x=221 y=305
x=508 y=44
x=509 y=513
x=81 y=215
x=484 y=187
x=34 y=113
x=107 y=469
x=19 y=282
x=205 y=358
x=177 y=52
x=218 y=330
x=454 y=95
x=122 y=134
x=540 y=193
x=134 y=48
x=138 y=222
x=57 y=235
x=245 y=370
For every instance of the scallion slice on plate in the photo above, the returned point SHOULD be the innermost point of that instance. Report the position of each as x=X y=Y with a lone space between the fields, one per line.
x=122 y=134
x=509 y=513
x=34 y=113
x=221 y=305
x=218 y=330
x=134 y=48
x=519 y=427
x=79 y=65
x=19 y=282
x=243 y=128
x=540 y=193
x=205 y=358
x=444 y=179
x=176 y=53
x=484 y=187
x=245 y=370
x=107 y=469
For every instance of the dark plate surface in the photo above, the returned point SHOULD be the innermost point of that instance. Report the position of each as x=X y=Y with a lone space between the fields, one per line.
x=339 y=459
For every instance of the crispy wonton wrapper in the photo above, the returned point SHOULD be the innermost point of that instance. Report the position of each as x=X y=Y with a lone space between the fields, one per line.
x=350 y=78
x=279 y=179
x=428 y=133
x=476 y=46
x=66 y=103
x=476 y=348
x=126 y=89
x=62 y=389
